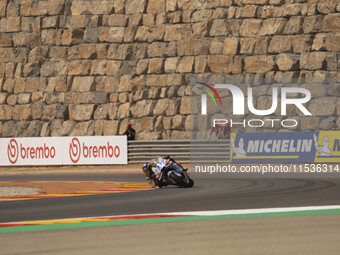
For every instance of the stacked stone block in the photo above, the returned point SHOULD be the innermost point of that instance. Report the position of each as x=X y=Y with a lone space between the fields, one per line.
x=89 y=67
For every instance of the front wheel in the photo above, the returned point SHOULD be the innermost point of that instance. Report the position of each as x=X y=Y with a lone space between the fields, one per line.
x=190 y=184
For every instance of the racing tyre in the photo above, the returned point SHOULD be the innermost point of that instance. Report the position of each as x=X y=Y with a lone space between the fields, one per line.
x=190 y=184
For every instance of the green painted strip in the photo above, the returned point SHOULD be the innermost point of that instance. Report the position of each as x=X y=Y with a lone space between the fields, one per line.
x=161 y=220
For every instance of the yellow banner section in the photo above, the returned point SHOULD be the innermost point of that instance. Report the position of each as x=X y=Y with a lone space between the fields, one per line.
x=327 y=146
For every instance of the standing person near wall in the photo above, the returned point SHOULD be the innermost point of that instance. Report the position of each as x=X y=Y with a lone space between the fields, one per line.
x=227 y=130
x=130 y=132
x=221 y=131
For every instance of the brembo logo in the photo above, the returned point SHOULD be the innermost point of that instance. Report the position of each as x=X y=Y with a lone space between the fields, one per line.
x=35 y=152
x=76 y=150
x=13 y=151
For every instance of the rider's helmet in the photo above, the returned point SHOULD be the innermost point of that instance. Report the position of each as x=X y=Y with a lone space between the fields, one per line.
x=146 y=165
x=146 y=168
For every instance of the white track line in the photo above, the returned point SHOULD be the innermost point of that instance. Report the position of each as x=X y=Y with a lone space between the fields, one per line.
x=262 y=210
x=206 y=213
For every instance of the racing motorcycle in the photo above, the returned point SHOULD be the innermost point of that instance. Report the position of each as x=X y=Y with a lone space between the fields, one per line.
x=169 y=173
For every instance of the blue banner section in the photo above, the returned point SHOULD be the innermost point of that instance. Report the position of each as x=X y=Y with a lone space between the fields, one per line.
x=288 y=147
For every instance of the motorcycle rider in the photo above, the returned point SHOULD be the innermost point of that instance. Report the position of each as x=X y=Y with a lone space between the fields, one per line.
x=154 y=170
x=151 y=174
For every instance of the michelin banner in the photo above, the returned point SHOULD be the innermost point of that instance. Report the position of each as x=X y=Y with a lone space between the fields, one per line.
x=289 y=147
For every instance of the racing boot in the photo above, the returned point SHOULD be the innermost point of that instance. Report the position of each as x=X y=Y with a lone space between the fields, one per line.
x=153 y=183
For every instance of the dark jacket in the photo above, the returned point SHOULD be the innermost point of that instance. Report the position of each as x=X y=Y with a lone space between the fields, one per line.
x=130 y=133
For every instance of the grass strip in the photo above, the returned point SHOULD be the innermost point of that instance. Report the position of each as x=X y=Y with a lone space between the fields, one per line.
x=57 y=226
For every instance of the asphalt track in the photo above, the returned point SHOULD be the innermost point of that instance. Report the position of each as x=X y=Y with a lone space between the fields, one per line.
x=207 y=194
x=310 y=235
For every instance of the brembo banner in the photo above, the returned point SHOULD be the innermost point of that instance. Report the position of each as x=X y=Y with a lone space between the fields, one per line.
x=81 y=150
x=97 y=150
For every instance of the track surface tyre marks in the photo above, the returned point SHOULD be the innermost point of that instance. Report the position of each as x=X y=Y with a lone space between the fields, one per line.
x=207 y=194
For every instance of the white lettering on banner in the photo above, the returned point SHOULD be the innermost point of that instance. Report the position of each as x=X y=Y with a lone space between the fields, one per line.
x=270 y=146
x=64 y=150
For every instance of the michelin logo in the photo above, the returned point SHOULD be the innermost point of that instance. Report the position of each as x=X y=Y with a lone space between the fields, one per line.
x=323 y=149
x=327 y=146
x=271 y=146
x=278 y=146
x=238 y=150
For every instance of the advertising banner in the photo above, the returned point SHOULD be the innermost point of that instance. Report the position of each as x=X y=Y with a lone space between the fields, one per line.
x=285 y=147
x=96 y=150
x=30 y=151
x=327 y=146
x=82 y=150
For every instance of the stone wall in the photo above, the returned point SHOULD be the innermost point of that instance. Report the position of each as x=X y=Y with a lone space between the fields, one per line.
x=90 y=67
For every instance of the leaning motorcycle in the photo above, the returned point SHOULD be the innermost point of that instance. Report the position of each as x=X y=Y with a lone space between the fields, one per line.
x=170 y=174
